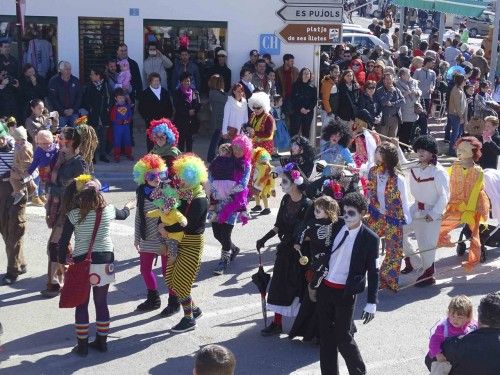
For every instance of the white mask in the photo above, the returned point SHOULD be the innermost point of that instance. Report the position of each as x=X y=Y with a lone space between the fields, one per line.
x=351 y=216
x=286 y=185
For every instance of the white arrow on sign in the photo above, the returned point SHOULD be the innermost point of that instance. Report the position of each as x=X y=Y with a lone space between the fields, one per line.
x=319 y=2
x=311 y=13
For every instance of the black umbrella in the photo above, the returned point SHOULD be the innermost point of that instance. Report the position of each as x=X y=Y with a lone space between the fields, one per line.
x=261 y=279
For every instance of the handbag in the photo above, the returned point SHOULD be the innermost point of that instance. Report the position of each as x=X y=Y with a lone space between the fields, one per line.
x=76 y=287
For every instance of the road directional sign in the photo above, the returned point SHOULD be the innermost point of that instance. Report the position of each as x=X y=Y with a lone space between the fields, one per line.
x=311 y=13
x=311 y=33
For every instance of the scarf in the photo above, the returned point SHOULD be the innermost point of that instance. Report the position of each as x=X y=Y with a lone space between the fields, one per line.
x=187 y=93
x=157 y=91
x=98 y=85
x=165 y=151
x=189 y=194
x=143 y=192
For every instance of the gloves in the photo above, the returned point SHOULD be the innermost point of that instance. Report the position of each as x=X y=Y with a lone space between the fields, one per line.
x=313 y=294
x=262 y=242
x=320 y=166
x=368 y=313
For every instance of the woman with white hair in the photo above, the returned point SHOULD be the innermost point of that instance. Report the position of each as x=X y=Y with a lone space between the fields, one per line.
x=261 y=125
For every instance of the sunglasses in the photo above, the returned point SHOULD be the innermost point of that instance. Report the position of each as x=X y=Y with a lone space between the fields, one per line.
x=350 y=213
x=152 y=176
x=257 y=108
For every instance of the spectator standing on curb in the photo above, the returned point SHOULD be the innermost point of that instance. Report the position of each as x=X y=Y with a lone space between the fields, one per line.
x=156 y=62
x=220 y=67
x=182 y=66
x=155 y=103
x=65 y=94
x=286 y=75
x=98 y=100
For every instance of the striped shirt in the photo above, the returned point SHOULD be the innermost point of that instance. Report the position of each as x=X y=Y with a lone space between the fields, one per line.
x=84 y=230
x=152 y=243
x=7 y=155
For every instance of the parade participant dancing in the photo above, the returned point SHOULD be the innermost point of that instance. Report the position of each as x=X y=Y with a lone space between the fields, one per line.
x=468 y=201
x=429 y=186
x=191 y=174
x=262 y=124
x=302 y=154
x=389 y=210
x=263 y=182
x=337 y=137
x=148 y=173
x=90 y=221
x=352 y=259
x=229 y=211
x=288 y=282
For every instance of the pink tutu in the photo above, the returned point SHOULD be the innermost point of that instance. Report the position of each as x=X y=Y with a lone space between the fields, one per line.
x=221 y=189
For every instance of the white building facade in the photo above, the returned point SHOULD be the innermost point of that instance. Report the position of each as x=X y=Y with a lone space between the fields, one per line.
x=86 y=32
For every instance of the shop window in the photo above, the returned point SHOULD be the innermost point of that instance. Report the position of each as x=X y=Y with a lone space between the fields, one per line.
x=39 y=43
x=98 y=39
x=201 y=38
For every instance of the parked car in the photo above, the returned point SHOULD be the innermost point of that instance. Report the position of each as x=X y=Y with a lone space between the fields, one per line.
x=353 y=28
x=477 y=25
x=363 y=40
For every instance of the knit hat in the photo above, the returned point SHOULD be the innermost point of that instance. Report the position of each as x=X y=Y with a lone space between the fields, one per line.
x=20 y=133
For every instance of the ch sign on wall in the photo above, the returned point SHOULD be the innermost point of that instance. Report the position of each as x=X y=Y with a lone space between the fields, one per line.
x=269 y=43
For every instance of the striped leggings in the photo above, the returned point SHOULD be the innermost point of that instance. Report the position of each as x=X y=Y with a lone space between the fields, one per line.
x=181 y=274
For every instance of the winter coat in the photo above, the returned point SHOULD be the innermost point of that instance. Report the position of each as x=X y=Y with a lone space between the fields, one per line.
x=348 y=101
x=412 y=94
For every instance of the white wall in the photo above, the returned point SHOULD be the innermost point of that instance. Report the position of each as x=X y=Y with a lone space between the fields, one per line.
x=246 y=20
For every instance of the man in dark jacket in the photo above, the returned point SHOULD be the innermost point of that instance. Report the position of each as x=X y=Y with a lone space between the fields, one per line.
x=65 y=95
x=185 y=65
x=220 y=67
x=478 y=352
x=97 y=100
x=8 y=63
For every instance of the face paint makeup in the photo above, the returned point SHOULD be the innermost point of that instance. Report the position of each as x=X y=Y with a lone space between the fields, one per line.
x=351 y=216
x=286 y=185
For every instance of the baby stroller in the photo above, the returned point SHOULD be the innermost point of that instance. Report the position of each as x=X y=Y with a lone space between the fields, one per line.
x=489 y=235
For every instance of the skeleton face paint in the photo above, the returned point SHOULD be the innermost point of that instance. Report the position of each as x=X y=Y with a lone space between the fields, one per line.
x=351 y=216
x=286 y=184
x=319 y=213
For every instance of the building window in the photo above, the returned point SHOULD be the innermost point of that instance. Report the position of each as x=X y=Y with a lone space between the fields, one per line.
x=98 y=39
x=201 y=38
x=39 y=43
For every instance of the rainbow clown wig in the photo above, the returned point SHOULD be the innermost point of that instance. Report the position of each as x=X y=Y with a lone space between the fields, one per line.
x=164 y=127
x=147 y=163
x=245 y=144
x=260 y=156
x=190 y=170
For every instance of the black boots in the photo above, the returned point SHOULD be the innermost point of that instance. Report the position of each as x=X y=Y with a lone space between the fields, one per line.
x=172 y=308
x=100 y=343
x=427 y=278
x=408 y=267
x=153 y=301
x=82 y=349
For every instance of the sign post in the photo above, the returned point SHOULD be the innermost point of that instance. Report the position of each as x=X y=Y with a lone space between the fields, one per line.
x=311 y=34
x=313 y=13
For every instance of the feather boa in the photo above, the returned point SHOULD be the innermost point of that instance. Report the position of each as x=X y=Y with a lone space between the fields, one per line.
x=239 y=199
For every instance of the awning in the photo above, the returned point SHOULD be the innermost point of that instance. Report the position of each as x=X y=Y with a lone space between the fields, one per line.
x=466 y=8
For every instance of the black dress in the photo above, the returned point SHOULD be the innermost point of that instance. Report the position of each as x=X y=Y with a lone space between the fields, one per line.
x=288 y=281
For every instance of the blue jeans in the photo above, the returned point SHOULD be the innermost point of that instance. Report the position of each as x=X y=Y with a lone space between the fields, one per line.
x=455 y=127
x=68 y=120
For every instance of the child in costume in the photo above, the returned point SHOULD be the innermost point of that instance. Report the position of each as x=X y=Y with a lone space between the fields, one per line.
x=221 y=172
x=389 y=209
x=459 y=322
x=124 y=79
x=191 y=174
x=302 y=154
x=20 y=179
x=491 y=143
x=167 y=201
x=121 y=118
x=44 y=159
x=281 y=136
x=318 y=235
x=263 y=182
x=468 y=202
x=337 y=137
x=429 y=185
x=165 y=137
x=365 y=144
x=148 y=172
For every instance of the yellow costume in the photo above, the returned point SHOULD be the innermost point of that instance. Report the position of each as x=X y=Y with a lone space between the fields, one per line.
x=262 y=180
x=169 y=218
x=468 y=204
